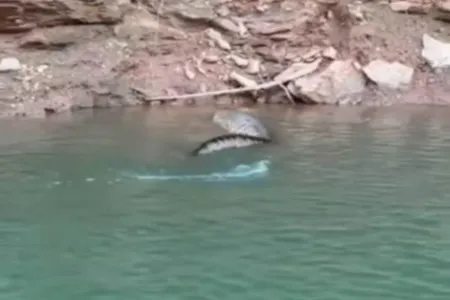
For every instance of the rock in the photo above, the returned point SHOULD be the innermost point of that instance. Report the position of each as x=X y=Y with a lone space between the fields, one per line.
x=197 y=10
x=218 y=39
x=223 y=11
x=254 y=66
x=411 y=7
x=356 y=12
x=52 y=38
x=239 y=61
x=335 y=85
x=210 y=58
x=435 y=52
x=24 y=15
x=266 y=28
x=141 y=25
x=190 y=74
x=391 y=75
x=227 y=25
x=242 y=80
x=330 y=53
x=8 y=64
x=443 y=5
x=442 y=11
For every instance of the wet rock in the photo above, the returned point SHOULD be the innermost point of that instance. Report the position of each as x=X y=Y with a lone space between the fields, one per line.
x=24 y=15
x=391 y=75
x=9 y=64
x=337 y=84
x=435 y=52
x=411 y=7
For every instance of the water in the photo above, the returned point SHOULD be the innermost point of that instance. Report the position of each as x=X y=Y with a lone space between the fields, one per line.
x=356 y=205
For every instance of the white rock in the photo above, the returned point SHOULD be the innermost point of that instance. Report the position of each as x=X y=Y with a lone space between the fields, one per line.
x=254 y=66
x=218 y=39
x=227 y=24
x=8 y=64
x=336 y=84
x=400 y=6
x=239 y=61
x=391 y=75
x=242 y=80
x=330 y=53
x=435 y=52
x=443 y=5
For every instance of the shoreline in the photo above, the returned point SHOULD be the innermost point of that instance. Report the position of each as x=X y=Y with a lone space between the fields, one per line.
x=347 y=53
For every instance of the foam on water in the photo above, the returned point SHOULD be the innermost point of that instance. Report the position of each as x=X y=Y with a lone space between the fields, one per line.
x=255 y=170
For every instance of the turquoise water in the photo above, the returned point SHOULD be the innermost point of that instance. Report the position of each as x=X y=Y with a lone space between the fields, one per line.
x=355 y=205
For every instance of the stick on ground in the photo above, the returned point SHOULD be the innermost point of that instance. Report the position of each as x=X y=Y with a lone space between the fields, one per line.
x=262 y=86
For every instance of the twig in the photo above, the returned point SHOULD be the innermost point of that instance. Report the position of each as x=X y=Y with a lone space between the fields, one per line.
x=286 y=91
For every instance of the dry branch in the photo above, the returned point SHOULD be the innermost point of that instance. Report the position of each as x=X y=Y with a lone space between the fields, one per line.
x=262 y=86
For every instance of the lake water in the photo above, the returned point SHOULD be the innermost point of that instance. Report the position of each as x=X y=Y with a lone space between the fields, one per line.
x=355 y=205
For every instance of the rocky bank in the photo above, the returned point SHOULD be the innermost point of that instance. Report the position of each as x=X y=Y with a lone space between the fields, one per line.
x=57 y=56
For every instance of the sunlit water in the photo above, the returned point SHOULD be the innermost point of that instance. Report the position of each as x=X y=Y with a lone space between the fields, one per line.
x=355 y=205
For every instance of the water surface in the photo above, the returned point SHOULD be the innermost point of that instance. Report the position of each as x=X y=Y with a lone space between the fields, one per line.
x=356 y=206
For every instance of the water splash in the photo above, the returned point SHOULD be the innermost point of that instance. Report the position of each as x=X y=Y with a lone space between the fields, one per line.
x=255 y=170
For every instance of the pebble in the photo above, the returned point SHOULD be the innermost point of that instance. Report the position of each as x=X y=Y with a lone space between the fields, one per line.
x=218 y=39
x=190 y=74
x=210 y=58
x=8 y=64
x=239 y=61
x=42 y=68
x=227 y=24
x=253 y=66
x=242 y=80
x=223 y=11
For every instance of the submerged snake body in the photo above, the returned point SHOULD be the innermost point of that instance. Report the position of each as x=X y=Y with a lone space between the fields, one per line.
x=240 y=122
